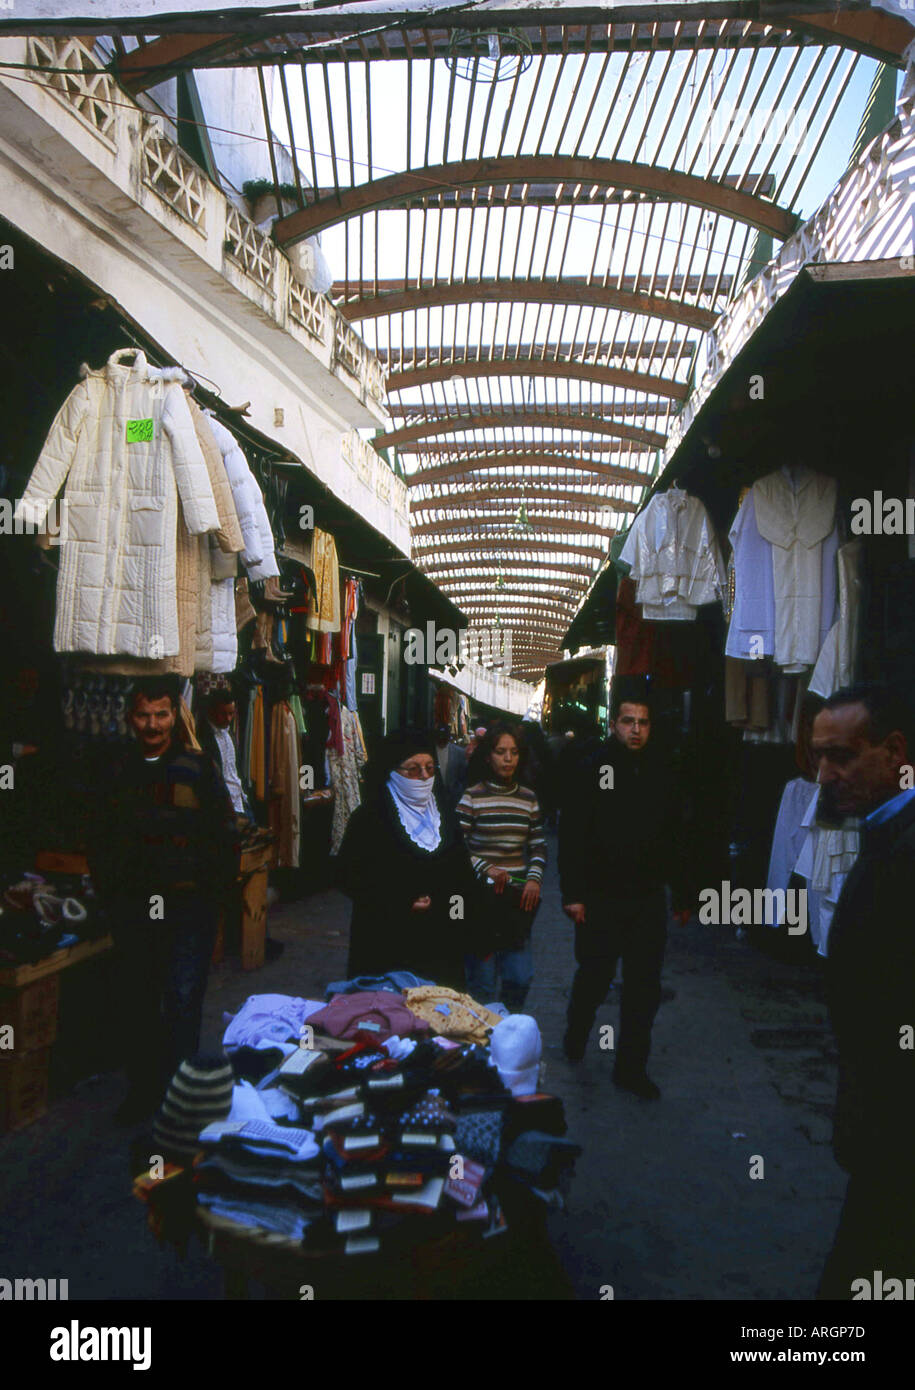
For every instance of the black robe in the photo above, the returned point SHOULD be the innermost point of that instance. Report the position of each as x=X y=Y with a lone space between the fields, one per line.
x=384 y=871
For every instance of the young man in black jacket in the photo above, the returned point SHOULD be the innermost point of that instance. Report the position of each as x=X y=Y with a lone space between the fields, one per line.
x=863 y=742
x=620 y=845
x=163 y=854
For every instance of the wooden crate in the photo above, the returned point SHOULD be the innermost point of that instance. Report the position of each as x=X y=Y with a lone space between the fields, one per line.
x=32 y=1012
x=23 y=1088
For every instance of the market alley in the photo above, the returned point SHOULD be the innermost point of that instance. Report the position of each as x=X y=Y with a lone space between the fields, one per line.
x=661 y=1205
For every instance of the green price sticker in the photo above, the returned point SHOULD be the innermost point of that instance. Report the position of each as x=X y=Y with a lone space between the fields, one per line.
x=139 y=431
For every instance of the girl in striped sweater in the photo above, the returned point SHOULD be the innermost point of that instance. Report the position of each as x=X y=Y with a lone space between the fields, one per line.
x=503 y=830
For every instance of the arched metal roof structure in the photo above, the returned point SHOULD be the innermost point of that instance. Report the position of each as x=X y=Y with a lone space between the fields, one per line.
x=532 y=223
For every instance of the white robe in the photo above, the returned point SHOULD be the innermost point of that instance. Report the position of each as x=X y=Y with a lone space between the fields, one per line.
x=751 y=633
x=796 y=512
x=835 y=666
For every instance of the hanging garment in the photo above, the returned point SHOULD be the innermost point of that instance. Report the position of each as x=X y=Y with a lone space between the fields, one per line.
x=795 y=511
x=326 y=614
x=344 y=775
x=258 y=555
x=124 y=443
x=674 y=557
x=245 y=611
x=634 y=637
x=752 y=628
x=257 y=759
x=836 y=663
x=295 y=704
x=746 y=695
x=822 y=856
x=216 y=642
x=284 y=785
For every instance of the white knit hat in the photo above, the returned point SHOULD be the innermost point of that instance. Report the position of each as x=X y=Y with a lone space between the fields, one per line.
x=515 y=1049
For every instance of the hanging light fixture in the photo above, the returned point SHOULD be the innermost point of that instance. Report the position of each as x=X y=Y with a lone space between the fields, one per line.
x=522 y=522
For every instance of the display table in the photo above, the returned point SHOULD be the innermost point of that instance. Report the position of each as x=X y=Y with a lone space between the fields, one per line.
x=456 y=1264
x=29 y=1004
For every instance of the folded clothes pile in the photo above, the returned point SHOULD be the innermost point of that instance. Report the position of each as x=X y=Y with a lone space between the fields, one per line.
x=361 y=1125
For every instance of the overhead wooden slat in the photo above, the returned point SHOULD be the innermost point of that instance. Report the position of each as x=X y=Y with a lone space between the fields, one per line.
x=458 y=424
x=396 y=189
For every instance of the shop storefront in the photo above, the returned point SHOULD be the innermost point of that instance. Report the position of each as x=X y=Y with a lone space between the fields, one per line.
x=787 y=566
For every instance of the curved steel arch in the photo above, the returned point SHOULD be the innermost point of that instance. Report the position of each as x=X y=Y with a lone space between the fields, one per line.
x=547 y=523
x=539 y=603
x=463 y=424
x=509 y=543
x=538 y=366
x=508 y=291
x=514 y=492
x=511 y=620
x=668 y=185
x=480 y=580
x=567 y=573
x=488 y=463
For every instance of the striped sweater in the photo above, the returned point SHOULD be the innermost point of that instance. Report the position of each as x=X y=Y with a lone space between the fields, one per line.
x=503 y=828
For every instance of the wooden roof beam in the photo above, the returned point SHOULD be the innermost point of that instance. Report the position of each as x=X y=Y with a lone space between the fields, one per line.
x=524 y=291
x=436 y=355
x=538 y=367
x=522 y=418
x=487 y=463
x=588 y=410
x=394 y=190
x=514 y=492
x=158 y=60
x=543 y=523
x=509 y=543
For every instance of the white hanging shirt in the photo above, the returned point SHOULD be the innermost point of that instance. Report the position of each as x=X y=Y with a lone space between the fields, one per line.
x=795 y=511
x=836 y=663
x=674 y=557
x=752 y=629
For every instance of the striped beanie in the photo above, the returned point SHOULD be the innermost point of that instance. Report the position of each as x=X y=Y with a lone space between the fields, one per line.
x=199 y=1093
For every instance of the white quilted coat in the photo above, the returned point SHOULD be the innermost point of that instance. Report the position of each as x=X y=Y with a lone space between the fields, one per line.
x=116 y=583
x=258 y=556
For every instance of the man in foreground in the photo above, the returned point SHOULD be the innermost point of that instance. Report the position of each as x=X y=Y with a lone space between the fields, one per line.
x=620 y=845
x=862 y=742
x=162 y=855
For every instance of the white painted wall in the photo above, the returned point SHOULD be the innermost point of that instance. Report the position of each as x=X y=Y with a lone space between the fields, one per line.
x=80 y=197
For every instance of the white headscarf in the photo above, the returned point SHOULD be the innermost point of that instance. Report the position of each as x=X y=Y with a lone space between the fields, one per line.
x=414 y=799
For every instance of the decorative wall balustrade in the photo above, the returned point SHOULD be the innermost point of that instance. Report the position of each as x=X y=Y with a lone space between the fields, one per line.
x=168 y=171
x=89 y=94
x=309 y=309
x=249 y=248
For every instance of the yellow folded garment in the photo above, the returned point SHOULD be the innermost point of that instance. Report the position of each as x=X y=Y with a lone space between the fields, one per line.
x=451 y=1014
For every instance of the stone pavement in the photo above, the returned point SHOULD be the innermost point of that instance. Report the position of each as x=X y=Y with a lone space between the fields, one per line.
x=662 y=1205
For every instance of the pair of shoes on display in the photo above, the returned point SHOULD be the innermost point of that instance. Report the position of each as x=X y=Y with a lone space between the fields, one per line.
x=55 y=911
x=638 y=1083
